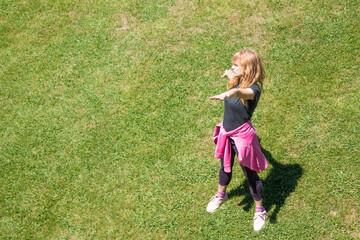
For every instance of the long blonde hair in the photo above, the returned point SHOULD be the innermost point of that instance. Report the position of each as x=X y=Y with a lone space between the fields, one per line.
x=253 y=70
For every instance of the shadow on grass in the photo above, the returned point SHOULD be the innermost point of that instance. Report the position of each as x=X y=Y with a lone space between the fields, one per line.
x=277 y=186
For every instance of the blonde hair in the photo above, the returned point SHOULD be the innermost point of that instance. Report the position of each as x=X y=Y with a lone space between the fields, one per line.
x=253 y=70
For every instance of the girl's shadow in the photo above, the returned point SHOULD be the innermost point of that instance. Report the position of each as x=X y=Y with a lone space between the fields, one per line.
x=277 y=186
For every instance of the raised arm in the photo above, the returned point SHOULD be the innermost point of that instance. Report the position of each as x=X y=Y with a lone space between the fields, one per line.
x=244 y=93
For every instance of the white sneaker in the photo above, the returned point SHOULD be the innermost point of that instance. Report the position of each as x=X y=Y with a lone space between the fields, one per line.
x=259 y=220
x=215 y=203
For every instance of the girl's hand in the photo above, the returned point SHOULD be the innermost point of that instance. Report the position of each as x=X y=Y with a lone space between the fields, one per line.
x=221 y=97
x=228 y=73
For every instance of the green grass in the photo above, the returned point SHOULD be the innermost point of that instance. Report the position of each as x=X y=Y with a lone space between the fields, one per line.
x=106 y=122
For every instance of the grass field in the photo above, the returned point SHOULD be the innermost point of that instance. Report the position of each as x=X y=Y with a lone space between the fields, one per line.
x=106 y=123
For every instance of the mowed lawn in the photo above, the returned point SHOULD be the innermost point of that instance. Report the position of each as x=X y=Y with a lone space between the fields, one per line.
x=106 y=123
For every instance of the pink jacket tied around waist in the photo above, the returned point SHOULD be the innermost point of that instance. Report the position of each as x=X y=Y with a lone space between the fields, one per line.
x=247 y=145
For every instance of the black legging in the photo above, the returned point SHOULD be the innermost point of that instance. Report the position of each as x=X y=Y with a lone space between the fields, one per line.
x=251 y=176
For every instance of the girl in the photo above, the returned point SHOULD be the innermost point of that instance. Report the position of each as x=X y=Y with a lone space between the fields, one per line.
x=236 y=135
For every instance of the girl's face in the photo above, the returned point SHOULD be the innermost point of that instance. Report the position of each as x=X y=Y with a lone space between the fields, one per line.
x=237 y=69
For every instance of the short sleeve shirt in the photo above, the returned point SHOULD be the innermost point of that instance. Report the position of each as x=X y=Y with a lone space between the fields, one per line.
x=235 y=113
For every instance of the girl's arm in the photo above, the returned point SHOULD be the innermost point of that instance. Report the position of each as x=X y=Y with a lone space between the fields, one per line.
x=244 y=93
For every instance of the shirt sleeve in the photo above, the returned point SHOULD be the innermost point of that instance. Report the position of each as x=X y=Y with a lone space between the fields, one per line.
x=257 y=92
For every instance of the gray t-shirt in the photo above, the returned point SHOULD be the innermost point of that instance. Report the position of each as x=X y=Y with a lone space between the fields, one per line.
x=235 y=113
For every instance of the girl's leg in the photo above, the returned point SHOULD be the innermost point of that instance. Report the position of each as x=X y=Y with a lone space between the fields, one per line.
x=252 y=178
x=224 y=177
x=224 y=180
x=256 y=190
x=255 y=185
